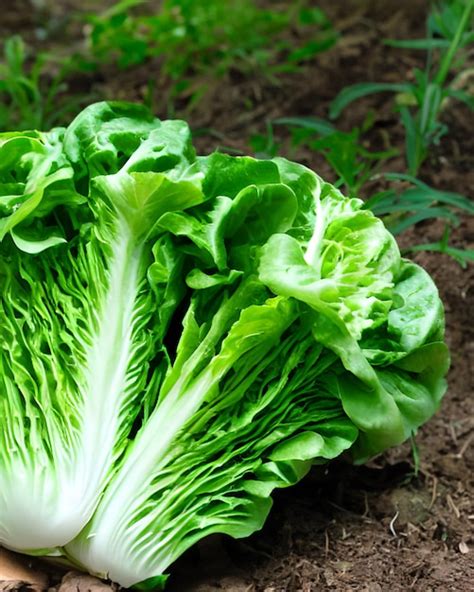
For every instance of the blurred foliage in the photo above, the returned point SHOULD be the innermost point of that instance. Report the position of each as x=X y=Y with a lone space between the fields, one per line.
x=193 y=40
x=31 y=86
x=208 y=37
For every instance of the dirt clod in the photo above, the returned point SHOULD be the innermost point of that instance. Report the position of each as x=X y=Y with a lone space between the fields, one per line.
x=78 y=582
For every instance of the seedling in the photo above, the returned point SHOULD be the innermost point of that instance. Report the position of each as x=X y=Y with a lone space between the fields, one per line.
x=421 y=102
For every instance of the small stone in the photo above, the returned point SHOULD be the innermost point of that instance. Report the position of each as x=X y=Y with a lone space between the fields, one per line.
x=463 y=548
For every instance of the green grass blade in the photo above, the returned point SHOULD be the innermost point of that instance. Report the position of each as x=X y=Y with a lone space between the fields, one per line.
x=426 y=214
x=447 y=197
x=412 y=140
x=462 y=256
x=316 y=124
x=363 y=89
x=456 y=42
x=422 y=44
x=461 y=95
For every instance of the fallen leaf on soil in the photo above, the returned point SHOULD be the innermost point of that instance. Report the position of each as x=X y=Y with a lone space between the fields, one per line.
x=17 y=576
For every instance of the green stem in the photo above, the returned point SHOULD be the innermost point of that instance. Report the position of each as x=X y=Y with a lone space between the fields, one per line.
x=448 y=57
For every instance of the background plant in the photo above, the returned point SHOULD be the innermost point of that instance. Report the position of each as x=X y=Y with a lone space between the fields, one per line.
x=31 y=88
x=195 y=43
x=409 y=201
x=420 y=103
x=353 y=164
x=208 y=38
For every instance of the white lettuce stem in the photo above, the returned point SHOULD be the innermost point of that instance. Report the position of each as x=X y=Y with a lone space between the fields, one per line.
x=108 y=360
x=48 y=502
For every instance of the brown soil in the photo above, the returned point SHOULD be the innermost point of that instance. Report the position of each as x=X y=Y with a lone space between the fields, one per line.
x=377 y=527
